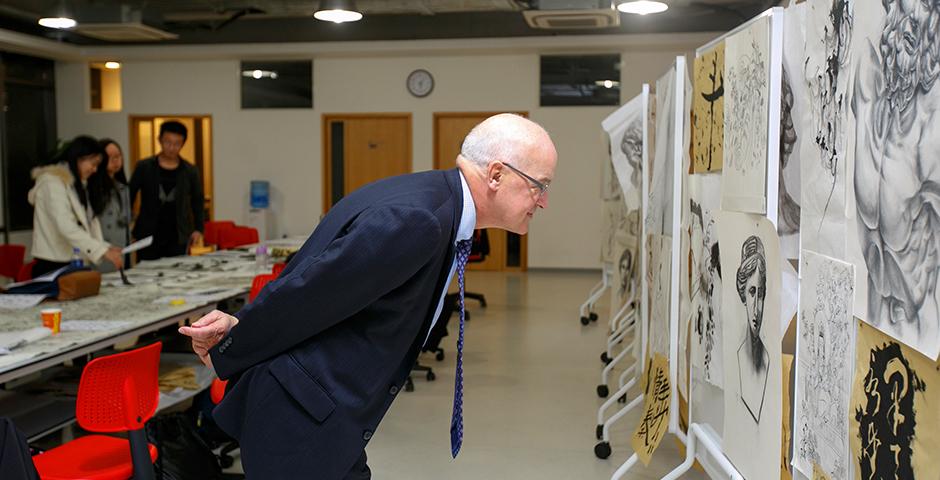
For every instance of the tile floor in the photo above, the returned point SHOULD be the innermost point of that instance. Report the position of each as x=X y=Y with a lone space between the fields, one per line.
x=530 y=406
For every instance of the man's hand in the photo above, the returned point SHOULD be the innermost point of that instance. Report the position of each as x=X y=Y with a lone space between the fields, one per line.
x=196 y=239
x=207 y=332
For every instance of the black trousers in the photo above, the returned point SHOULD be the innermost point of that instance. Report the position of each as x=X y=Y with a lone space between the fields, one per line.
x=360 y=470
x=157 y=251
x=43 y=267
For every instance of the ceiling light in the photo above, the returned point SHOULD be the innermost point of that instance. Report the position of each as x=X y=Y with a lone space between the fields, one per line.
x=607 y=83
x=642 y=7
x=57 y=22
x=259 y=74
x=337 y=11
x=256 y=74
x=112 y=65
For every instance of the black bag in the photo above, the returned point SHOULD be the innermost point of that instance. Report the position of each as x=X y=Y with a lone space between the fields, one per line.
x=183 y=454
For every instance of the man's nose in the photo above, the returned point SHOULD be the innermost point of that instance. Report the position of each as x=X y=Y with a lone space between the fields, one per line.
x=543 y=200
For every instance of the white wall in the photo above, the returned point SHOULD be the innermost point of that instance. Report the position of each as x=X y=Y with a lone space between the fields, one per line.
x=284 y=146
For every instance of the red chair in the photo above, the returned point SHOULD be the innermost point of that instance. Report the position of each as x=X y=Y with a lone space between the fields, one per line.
x=26 y=272
x=213 y=231
x=258 y=283
x=237 y=236
x=11 y=260
x=117 y=393
x=278 y=268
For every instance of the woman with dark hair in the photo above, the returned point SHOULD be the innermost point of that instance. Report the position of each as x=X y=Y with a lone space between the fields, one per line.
x=114 y=205
x=64 y=218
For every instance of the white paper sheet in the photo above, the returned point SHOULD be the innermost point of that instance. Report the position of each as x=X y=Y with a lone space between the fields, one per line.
x=11 y=301
x=143 y=243
x=705 y=194
x=91 y=325
x=12 y=340
x=624 y=129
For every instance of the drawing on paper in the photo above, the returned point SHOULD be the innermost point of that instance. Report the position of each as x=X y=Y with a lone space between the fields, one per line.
x=659 y=208
x=708 y=110
x=747 y=104
x=788 y=218
x=887 y=419
x=631 y=145
x=897 y=173
x=746 y=108
x=824 y=369
x=624 y=277
x=624 y=128
x=660 y=291
x=706 y=278
x=753 y=359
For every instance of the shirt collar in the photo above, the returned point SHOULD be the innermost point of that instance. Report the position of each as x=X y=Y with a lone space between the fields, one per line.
x=468 y=218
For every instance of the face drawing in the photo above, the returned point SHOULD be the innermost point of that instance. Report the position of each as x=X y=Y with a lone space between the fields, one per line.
x=631 y=144
x=751 y=283
x=626 y=269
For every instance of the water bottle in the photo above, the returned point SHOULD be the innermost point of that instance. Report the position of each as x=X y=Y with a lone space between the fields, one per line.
x=261 y=258
x=77 y=261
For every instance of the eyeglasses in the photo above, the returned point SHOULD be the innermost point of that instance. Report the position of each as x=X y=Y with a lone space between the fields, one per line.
x=542 y=187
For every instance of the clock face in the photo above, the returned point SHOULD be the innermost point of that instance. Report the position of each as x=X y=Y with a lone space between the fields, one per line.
x=420 y=83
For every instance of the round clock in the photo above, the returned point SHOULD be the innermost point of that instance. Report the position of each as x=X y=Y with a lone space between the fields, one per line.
x=420 y=83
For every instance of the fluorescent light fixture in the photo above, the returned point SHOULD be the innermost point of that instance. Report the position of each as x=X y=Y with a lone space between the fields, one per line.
x=57 y=22
x=642 y=7
x=337 y=11
x=112 y=65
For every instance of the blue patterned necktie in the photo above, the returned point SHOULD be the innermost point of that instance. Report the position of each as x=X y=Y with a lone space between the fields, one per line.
x=456 y=422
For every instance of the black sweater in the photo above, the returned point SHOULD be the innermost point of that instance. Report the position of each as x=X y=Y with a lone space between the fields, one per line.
x=189 y=199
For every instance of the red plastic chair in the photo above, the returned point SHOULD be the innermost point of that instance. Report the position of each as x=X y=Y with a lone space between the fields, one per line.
x=278 y=268
x=11 y=259
x=237 y=236
x=117 y=393
x=213 y=231
x=26 y=272
x=258 y=283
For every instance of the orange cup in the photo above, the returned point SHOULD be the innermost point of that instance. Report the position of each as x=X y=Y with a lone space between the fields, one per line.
x=52 y=319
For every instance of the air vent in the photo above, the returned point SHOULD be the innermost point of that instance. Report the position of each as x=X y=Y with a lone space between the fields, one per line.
x=124 y=32
x=572 y=19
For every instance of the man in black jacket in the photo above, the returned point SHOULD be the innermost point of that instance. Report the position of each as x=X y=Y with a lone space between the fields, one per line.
x=171 y=199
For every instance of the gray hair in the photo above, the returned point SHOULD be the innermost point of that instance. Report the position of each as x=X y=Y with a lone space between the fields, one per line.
x=503 y=138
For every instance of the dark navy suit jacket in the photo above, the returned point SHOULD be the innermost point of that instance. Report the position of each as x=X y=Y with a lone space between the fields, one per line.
x=321 y=353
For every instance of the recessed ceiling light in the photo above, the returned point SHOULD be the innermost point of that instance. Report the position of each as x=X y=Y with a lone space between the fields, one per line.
x=337 y=11
x=112 y=65
x=642 y=7
x=57 y=22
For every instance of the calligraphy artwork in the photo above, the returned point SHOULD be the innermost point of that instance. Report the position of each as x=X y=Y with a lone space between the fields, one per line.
x=708 y=117
x=894 y=420
x=894 y=214
x=654 y=419
x=746 y=115
x=750 y=315
x=825 y=350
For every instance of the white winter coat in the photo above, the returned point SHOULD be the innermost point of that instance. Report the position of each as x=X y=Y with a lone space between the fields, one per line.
x=60 y=222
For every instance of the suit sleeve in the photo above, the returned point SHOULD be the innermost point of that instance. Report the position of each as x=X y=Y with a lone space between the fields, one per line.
x=381 y=250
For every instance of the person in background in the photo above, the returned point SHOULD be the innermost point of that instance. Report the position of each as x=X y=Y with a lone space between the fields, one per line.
x=113 y=197
x=171 y=199
x=64 y=218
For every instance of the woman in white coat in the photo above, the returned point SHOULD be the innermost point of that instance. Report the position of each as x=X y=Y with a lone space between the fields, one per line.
x=63 y=217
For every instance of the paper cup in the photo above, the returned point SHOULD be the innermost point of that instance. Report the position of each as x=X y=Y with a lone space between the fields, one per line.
x=52 y=319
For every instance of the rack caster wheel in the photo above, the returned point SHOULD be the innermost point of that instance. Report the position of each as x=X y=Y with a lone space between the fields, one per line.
x=593 y=317
x=409 y=385
x=585 y=320
x=622 y=399
x=602 y=391
x=605 y=358
x=599 y=432
x=226 y=461
x=602 y=450
x=431 y=376
x=439 y=356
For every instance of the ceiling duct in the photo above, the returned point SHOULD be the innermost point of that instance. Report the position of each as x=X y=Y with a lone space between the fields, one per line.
x=572 y=15
x=120 y=24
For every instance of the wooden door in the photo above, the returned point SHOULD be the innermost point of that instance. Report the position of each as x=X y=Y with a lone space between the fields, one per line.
x=362 y=148
x=507 y=250
x=145 y=143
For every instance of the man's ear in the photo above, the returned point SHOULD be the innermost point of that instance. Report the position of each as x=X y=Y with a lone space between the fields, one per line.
x=494 y=175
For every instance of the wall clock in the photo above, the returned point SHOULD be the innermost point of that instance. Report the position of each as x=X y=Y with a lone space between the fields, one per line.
x=420 y=83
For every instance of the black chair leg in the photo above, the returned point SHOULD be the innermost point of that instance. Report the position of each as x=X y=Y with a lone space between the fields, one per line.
x=476 y=296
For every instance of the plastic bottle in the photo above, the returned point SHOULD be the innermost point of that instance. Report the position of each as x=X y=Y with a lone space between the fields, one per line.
x=261 y=258
x=77 y=258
